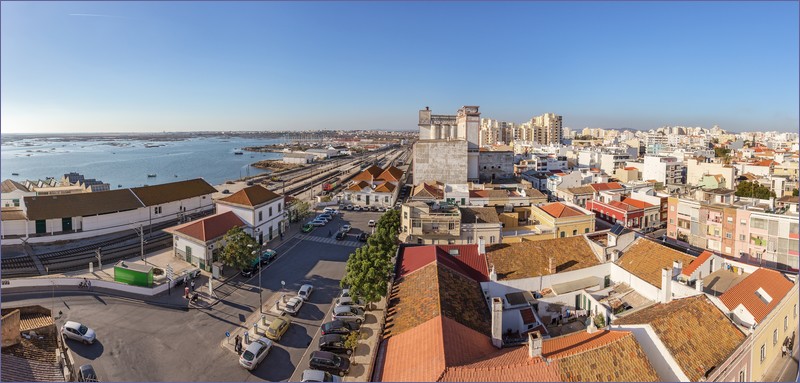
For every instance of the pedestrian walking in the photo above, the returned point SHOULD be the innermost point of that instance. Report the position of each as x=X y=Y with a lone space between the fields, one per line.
x=238 y=344
x=186 y=292
x=192 y=285
x=89 y=284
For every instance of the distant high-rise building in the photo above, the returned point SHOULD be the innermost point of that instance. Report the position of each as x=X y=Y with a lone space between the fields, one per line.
x=448 y=146
x=547 y=129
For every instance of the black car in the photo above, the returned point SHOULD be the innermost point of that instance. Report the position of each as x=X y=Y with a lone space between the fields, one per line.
x=86 y=373
x=339 y=327
x=363 y=237
x=249 y=271
x=334 y=343
x=328 y=361
x=341 y=236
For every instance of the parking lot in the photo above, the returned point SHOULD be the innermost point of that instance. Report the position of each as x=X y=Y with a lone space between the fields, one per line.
x=137 y=341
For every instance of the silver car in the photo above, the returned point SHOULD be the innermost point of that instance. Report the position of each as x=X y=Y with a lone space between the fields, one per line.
x=319 y=376
x=305 y=292
x=293 y=306
x=79 y=332
x=348 y=314
x=255 y=353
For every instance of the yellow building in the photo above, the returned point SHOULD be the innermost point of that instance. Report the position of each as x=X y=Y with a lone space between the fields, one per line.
x=566 y=219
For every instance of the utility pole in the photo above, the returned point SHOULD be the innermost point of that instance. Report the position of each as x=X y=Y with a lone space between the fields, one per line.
x=99 y=257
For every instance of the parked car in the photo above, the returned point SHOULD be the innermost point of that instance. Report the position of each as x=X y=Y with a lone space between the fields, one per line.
x=346 y=294
x=305 y=292
x=319 y=376
x=348 y=313
x=86 y=373
x=371 y=223
x=341 y=235
x=363 y=237
x=326 y=216
x=321 y=218
x=255 y=352
x=346 y=228
x=251 y=270
x=319 y=222
x=348 y=301
x=79 y=332
x=349 y=207
x=330 y=362
x=334 y=343
x=357 y=208
x=226 y=191
x=293 y=306
x=307 y=228
x=339 y=327
x=381 y=208
x=330 y=210
x=278 y=327
x=268 y=256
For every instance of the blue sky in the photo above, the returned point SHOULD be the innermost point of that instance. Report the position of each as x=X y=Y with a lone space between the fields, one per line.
x=178 y=66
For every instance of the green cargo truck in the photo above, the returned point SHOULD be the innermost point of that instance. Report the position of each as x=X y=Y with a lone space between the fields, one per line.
x=133 y=274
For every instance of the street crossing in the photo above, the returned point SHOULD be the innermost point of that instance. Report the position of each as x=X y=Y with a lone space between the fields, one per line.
x=329 y=240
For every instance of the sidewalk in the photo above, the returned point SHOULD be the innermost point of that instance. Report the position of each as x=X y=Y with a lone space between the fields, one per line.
x=778 y=371
x=272 y=309
x=371 y=333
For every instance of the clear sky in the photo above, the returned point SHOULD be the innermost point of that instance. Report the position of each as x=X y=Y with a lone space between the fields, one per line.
x=177 y=66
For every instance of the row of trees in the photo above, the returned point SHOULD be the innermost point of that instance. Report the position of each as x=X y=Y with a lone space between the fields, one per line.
x=754 y=190
x=369 y=268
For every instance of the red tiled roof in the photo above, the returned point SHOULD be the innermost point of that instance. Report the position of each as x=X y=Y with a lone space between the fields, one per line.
x=505 y=365
x=697 y=262
x=744 y=293
x=527 y=316
x=211 y=227
x=622 y=205
x=359 y=186
x=478 y=194
x=468 y=262
x=560 y=210
x=386 y=187
x=391 y=174
x=368 y=174
x=251 y=196
x=606 y=186
x=578 y=342
x=766 y=163
x=427 y=190
x=630 y=168
x=636 y=203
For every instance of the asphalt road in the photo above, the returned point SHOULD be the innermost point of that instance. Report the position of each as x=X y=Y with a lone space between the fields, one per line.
x=137 y=341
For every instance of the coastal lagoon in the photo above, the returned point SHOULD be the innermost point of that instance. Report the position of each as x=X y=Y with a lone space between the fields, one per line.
x=128 y=162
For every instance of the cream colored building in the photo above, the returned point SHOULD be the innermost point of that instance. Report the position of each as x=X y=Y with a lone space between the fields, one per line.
x=566 y=219
x=430 y=224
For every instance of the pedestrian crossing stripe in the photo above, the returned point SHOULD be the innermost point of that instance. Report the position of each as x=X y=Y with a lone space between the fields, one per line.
x=329 y=240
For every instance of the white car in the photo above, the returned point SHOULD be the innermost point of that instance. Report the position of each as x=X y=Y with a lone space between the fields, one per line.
x=255 y=353
x=293 y=306
x=305 y=292
x=319 y=376
x=346 y=228
x=79 y=332
x=322 y=218
x=349 y=207
x=371 y=223
x=348 y=314
x=348 y=301
x=318 y=222
x=357 y=208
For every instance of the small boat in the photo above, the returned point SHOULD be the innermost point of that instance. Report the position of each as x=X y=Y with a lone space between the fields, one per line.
x=151 y=175
x=176 y=176
x=119 y=186
x=238 y=153
x=14 y=174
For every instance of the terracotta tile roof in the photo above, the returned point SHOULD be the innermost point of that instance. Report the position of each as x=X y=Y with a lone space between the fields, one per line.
x=358 y=186
x=622 y=206
x=16 y=369
x=209 y=228
x=462 y=300
x=386 y=187
x=173 y=191
x=629 y=168
x=10 y=185
x=766 y=163
x=578 y=342
x=478 y=194
x=613 y=356
x=697 y=262
x=505 y=365
x=560 y=210
x=606 y=186
x=425 y=190
x=744 y=292
x=34 y=321
x=413 y=301
x=250 y=196
x=368 y=174
x=479 y=215
x=80 y=204
x=391 y=174
x=530 y=258
x=533 y=193
x=636 y=203
x=697 y=334
x=12 y=214
x=645 y=259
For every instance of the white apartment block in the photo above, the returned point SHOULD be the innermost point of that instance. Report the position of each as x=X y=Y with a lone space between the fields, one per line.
x=696 y=169
x=666 y=170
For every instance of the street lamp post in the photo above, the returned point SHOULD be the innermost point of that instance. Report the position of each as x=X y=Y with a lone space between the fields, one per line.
x=260 y=301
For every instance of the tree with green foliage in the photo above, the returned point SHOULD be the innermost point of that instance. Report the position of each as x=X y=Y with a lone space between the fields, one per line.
x=369 y=268
x=238 y=250
x=721 y=152
x=299 y=210
x=753 y=190
x=795 y=192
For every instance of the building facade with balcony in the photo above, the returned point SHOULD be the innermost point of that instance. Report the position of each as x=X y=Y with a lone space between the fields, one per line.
x=430 y=224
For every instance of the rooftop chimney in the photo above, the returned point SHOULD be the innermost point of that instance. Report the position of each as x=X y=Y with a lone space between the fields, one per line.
x=497 y=322
x=550 y=265
x=590 y=328
x=666 y=285
x=677 y=267
x=493 y=274
x=534 y=344
x=698 y=285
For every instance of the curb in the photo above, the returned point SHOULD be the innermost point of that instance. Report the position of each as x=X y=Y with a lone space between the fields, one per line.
x=97 y=291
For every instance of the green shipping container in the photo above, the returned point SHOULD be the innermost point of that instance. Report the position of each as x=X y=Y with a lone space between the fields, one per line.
x=133 y=274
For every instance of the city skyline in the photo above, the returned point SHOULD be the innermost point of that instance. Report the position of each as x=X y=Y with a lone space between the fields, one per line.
x=152 y=67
